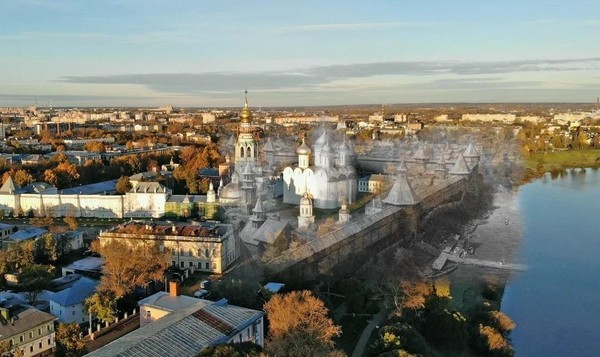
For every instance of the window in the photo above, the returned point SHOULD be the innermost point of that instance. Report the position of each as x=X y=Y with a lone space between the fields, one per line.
x=182 y=264
x=199 y=265
x=73 y=312
x=215 y=266
x=190 y=253
x=206 y=253
x=21 y=338
x=191 y=264
x=172 y=262
x=40 y=344
x=49 y=343
x=148 y=314
x=30 y=334
x=207 y=266
x=31 y=349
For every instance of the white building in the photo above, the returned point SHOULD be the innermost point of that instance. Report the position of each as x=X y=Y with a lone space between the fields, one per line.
x=68 y=305
x=331 y=177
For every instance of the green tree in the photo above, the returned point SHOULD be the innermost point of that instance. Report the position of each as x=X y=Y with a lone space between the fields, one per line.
x=35 y=278
x=102 y=306
x=68 y=341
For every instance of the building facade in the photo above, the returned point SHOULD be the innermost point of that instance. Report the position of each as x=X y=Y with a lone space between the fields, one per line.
x=207 y=247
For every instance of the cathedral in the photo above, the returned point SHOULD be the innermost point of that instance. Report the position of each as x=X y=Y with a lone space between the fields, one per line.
x=248 y=179
x=329 y=180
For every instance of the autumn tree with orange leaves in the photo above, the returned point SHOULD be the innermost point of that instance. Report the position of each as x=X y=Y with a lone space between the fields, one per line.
x=299 y=319
x=300 y=310
x=128 y=265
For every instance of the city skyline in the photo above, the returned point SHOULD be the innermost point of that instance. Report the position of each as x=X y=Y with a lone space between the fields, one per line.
x=152 y=53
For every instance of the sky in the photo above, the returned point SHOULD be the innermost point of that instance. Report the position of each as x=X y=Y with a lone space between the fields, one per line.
x=297 y=53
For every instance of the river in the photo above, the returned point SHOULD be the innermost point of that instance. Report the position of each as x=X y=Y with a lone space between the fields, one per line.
x=556 y=303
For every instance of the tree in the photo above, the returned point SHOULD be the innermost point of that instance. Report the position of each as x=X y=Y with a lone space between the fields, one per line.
x=63 y=175
x=21 y=177
x=128 y=265
x=301 y=343
x=95 y=146
x=300 y=311
x=123 y=185
x=46 y=249
x=102 y=305
x=71 y=221
x=68 y=342
x=35 y=278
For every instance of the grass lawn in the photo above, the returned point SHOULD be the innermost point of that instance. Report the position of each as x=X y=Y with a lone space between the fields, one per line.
x=352 y=328
x=564 y=159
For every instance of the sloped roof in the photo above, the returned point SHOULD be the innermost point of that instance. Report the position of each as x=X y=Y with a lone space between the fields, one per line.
x=182 y=333
x=8 y=186
x=270 y=230
x=148 y=187
x=81 y=290
x=26 y=318
x=420 y=153
x=401 y=193
x=460 y=166
x=470 y=151
x=268 y=146
x=401 y=167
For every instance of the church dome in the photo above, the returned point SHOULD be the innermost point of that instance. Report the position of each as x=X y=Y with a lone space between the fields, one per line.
x=246 y=113
x=303 y=149
x=305 y=201
x=231 y=191
x=322 y=139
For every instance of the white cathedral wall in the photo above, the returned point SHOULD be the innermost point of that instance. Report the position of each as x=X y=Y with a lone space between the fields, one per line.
x=144 y=204
x=7 y=202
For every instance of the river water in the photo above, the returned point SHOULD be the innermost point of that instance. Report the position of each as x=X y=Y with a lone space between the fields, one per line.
x=556 y=303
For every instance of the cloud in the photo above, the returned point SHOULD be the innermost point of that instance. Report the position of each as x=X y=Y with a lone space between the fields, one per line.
x=35 y=35
x=561 y=22
x=313 y=77
x=348 y=26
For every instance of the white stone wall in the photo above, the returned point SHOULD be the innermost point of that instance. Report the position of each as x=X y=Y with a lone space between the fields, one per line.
x=100 y=206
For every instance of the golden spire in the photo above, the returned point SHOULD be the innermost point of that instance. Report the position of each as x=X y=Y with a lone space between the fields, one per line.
x=246 y=114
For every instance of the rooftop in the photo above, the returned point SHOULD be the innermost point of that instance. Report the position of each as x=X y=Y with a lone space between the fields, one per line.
x=81 y=290
x=204 y=230
x=182 y=333
x=165 y=301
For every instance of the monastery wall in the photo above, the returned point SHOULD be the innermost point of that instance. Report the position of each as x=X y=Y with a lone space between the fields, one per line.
x=393 y=223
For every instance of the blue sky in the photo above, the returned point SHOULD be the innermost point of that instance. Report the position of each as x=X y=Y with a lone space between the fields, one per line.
x=205 y=53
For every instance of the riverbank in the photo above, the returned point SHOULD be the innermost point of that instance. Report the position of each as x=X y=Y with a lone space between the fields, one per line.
x=536 y=165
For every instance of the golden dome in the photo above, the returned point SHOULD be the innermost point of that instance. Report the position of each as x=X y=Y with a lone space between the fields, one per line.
x=246 y=113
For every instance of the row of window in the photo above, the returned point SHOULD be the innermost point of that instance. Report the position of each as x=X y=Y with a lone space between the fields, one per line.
x=39 y=333
x=191 y=265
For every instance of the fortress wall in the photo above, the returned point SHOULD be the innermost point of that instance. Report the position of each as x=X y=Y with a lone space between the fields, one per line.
x=393 y=223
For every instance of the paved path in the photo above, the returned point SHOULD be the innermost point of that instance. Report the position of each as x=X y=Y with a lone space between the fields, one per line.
x=377 y=320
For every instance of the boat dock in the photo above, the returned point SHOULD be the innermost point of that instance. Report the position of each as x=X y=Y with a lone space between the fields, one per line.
x=441 y=261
